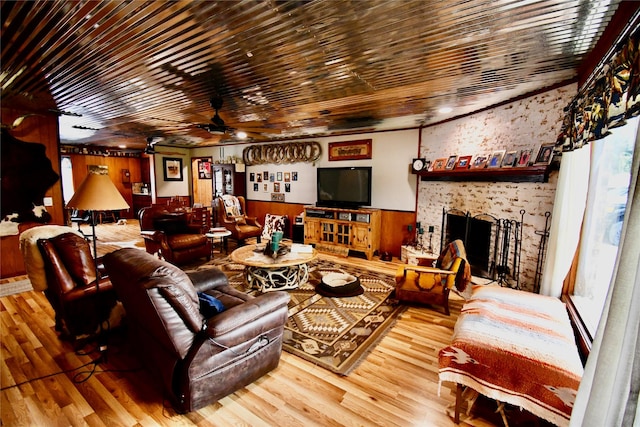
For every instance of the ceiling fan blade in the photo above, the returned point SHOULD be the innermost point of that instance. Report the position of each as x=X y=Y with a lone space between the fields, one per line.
x=260 y=130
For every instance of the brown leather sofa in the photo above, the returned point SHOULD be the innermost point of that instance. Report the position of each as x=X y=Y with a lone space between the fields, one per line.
x=198 y=359
x=78 y=303
x=169 y=231
x=231 y=213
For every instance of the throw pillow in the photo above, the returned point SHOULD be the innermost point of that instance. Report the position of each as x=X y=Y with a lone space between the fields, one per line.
x=232 y=205
x=209 y=305
x=273 y=223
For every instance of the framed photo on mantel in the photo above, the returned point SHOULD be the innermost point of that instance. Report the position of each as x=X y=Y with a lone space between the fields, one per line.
x=496 y=159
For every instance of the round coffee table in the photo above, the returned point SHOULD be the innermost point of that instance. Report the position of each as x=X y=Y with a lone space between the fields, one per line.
x=287 y=271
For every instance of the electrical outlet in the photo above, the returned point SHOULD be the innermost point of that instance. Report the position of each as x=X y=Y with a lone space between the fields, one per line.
x=48 y=201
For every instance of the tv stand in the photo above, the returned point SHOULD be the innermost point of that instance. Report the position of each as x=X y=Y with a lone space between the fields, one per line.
x=348 y=229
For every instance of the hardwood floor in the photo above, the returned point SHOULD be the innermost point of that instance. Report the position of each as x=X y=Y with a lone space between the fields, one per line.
x=396 y=385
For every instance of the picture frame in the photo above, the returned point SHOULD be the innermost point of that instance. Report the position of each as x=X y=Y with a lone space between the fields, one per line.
x=276 y=187
x=278 y=176
x=294 y=176
x=545 y=154
x=172 y=168
x=439 y=164
x=350 y=150
x=496 y=159
x=480 y=161
x=255 y=186
x=509 y=159
x=287 y=176
x=524 y=158
x=451 y=162
x=428 y=166
x=204 y=169
x=463 y=162
x=252 y=177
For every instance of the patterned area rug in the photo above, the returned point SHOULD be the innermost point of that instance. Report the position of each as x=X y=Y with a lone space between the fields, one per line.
x=335 y=333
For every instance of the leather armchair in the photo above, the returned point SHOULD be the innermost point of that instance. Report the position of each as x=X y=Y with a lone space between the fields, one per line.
x=431 y=285
x=78 y=303
x=168 y=230
x=198 y=359
x=231 y=214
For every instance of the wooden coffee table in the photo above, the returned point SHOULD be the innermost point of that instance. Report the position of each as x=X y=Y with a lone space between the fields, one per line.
x=268 y=274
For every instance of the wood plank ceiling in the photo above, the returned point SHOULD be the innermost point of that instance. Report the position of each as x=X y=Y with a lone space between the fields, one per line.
x=283 y=69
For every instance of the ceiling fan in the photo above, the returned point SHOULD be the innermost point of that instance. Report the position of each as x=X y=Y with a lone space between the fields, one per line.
x=216 y=125
x=150 y=148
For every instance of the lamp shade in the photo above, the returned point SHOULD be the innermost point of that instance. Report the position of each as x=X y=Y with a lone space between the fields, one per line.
x=97 y=193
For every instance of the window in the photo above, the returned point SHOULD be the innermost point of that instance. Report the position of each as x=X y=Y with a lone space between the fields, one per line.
x=609 y=180
x=66 y=171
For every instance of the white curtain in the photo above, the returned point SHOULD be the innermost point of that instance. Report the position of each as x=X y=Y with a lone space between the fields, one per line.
x=566 y=219
x=608 y=393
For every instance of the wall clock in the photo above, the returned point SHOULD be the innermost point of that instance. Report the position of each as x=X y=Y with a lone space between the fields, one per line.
x=417 y=165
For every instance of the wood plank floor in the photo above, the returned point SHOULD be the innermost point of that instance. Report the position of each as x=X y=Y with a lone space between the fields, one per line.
x=45 y=381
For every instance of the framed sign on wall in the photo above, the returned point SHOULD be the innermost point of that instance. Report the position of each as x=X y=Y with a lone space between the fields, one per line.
x=350 y=150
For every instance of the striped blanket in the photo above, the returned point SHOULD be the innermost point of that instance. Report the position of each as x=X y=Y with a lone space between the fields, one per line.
x=515 y=347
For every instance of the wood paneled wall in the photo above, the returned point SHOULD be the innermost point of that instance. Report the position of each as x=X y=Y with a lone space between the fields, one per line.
x=116 y=165
x=393 y=231
x=259 y=209
x=42 y=129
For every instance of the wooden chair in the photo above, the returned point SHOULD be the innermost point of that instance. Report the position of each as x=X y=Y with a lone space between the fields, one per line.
x=431 y=285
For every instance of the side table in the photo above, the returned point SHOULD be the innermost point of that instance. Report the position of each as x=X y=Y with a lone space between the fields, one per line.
x=411 y=255
x=219 y=236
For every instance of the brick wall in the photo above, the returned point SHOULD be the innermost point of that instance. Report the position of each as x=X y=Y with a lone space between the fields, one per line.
x=519 y=125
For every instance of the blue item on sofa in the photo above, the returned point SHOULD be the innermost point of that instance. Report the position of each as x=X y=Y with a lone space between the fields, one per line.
x=209 y=305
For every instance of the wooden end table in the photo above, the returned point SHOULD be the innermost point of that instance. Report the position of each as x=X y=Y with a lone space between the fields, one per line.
x=268 y=274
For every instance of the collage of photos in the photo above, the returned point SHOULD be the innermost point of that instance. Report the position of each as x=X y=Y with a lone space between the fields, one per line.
x=495 y=159
x=272 y=182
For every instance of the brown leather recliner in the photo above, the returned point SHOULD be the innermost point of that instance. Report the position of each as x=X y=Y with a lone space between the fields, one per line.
x=199 y=359
x=168 y=231
x=78 y=303
x=231 y=213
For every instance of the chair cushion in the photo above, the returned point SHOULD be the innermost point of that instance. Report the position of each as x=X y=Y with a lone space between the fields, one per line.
x=179 y=242
x=76 y=256
x=273 y=223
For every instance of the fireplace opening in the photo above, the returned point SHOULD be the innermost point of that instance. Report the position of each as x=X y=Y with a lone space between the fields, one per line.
x=493 y=245
x=476 y=234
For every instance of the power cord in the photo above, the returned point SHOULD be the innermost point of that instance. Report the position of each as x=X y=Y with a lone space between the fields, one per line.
x=262 y=341
x=82 y=376
x=77 y=377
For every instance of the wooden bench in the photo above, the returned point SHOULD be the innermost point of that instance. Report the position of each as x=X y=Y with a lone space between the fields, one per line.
x=515 y=347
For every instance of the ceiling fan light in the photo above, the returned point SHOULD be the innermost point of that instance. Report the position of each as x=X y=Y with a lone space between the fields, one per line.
x=241 y=134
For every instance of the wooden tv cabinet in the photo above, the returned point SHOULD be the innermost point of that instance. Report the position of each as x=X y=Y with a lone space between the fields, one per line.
x=350 y=229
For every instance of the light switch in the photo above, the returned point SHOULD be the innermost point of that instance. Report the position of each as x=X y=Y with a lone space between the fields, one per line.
x=48 y=201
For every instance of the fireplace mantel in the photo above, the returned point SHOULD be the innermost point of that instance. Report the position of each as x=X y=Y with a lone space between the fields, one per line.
x=539 y=173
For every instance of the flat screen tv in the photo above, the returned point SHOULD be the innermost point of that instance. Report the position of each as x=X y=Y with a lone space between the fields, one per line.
x=344 y=187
